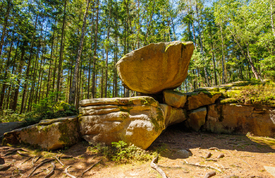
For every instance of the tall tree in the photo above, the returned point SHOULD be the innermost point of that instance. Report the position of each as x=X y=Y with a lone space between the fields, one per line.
x=75 y=77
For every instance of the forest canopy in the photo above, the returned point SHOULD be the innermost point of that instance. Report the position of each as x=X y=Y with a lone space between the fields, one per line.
x=55 y=51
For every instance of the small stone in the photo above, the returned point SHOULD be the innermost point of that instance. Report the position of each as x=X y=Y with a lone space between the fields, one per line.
x=208 y=155
x=220 y=156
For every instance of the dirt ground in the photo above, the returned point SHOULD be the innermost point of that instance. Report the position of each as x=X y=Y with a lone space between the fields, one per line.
x=244 y=156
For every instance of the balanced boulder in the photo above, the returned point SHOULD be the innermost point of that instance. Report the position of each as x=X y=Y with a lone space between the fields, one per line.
x=156 y=67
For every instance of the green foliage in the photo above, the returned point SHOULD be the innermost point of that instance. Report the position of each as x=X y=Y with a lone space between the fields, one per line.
x=263 y=94
x=121 y=152
x=47 y=108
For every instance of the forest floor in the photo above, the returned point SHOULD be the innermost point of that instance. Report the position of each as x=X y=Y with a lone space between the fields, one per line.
x=244 y=156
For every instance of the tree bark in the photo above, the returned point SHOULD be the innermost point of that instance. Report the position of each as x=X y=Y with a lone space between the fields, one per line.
x=5 y=76
x=91 y=57
x=201 y=49
x=107 y=50
x=5 y=25
x=28 y=67
x=76 y=69
x=223 y=56
x=95 y=48
x=61 y=52
x=19 y=71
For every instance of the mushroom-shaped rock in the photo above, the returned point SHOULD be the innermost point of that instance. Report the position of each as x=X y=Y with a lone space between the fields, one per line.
x=156 y=67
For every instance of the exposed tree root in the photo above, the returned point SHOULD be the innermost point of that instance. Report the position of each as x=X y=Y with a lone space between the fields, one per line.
x=26 y=160
x=22 y=154
x=59 y=160
x=155 y=166
x=4 y=167
x=210 y=174
x=39 y=165
x=51 y=172
x=34 y=161
x=201 y=166
x=90 y=168
x=66 y=171
x=14 y=151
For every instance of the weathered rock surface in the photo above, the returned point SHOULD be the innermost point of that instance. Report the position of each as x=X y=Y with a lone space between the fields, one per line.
x=196 y=118
x=173 y=115
x=201 y=98
x=156 y=67
x=232 y=118
x=174 y=98
x=48 y=134
x=136 y=120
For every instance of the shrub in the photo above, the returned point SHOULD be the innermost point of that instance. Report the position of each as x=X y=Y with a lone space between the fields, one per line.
x=121 y=152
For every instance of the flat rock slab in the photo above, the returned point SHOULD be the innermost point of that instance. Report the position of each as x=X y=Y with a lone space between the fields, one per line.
x=156 y=67
x=201 y=98
x=49 y=134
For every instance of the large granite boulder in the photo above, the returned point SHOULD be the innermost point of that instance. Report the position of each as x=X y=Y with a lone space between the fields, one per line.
x=49 y=134
x=137 y=120
x=235 y=118
x=156 y=67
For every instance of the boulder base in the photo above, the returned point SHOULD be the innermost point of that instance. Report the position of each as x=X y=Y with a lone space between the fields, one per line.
x=196 y=118
x=136 y=120
x=156 y=67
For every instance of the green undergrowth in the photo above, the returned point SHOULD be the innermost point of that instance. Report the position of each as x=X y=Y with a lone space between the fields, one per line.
x=45 y=109
x=262 y=94
x=121 y=152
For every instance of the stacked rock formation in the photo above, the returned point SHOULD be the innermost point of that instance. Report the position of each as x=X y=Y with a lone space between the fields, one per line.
x=139 y=120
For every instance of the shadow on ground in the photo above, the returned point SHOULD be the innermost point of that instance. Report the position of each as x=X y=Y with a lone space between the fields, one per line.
x=174 y=138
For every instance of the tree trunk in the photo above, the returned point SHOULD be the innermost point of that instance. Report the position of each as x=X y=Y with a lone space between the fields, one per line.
x=201 y=50
x=95 y=57
x=61 y=52
x=19 y=71
x=213 y=57
x=91 y=57
x=76 y=69
x=106 y=62
x=149 y=24
x=223 y=58
x=5 y=26
x=5 y=76
x=28 y=67
x=50 y=67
